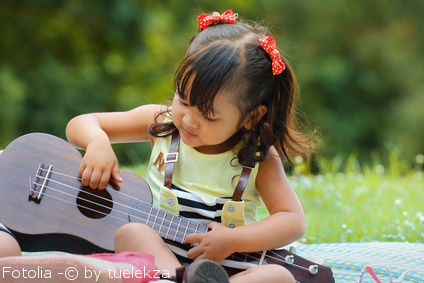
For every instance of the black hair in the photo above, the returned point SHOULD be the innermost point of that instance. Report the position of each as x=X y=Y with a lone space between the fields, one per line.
x=229 y=57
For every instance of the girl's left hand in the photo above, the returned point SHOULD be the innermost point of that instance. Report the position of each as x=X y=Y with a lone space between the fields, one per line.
x=214 y=245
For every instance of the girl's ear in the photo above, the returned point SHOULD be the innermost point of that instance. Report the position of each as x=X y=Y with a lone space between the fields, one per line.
x=254 y=116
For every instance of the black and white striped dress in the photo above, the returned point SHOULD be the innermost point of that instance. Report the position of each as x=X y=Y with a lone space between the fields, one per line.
x=202 y=184
x=193 y=207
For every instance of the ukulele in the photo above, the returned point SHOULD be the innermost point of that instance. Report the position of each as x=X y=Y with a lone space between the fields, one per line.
x=46 y=206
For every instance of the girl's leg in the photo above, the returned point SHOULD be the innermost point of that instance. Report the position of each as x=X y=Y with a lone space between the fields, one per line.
x=264 y=273
x=8 y=245
x=141 y=238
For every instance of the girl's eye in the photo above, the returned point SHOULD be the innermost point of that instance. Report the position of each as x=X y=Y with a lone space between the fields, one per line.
x=210 y=119
x=183 y=103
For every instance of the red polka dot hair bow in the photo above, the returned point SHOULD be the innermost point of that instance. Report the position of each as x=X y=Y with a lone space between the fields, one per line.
x=204 y=20
x=269 y=45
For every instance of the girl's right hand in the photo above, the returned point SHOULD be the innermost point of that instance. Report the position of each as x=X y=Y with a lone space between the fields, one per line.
x=98 y=165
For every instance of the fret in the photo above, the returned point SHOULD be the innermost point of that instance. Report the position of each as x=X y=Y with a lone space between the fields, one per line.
x=185 y=233
x=163 y=219
x=173 y=230
x=178 y=227
x=172 y=220
x=262 y=260
x=154 y=222
x=193 y=225
x=167 y=225
x=206 y=229
x=150 y=213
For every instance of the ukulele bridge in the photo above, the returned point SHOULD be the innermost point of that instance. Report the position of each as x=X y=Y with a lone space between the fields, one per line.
x=39 y=185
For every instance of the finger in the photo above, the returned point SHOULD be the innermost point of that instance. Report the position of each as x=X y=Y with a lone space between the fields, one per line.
x=193 y=238
x=104 y=179
x=195 y=252
x=202 y=256
x=212 y=225
x=81 y=169
x=95 y=178
x=86 y=175
x=116 y=174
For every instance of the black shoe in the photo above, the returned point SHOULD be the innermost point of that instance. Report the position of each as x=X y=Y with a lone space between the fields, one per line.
x=205 y=271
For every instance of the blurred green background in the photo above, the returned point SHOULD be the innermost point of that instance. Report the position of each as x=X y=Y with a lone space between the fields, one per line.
x=360 y=65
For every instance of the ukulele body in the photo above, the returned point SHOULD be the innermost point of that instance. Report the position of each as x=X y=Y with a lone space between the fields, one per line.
x=56 y=222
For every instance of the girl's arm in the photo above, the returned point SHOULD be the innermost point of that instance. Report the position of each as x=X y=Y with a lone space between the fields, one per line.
x=129 y=126
x=285 y=224
x=96 y=131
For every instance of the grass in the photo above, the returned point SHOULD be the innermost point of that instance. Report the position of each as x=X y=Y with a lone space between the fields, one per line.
x=353 y=203
x=347 y=202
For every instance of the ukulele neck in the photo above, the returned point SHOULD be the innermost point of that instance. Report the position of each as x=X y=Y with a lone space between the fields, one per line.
x=169 y=226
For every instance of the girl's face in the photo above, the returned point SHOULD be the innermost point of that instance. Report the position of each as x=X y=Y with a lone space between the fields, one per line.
x=207 y=134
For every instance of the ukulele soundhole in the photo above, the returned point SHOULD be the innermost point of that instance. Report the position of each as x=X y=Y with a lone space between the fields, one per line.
x=94 y=203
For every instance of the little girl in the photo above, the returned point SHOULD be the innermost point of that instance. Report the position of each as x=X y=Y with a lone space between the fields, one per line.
x=217 y=150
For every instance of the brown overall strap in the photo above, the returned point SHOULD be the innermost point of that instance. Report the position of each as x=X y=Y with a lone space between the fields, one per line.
x=171 y=158
x=242 y=183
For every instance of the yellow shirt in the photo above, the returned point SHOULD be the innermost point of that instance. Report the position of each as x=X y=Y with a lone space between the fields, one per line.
x=210 y=177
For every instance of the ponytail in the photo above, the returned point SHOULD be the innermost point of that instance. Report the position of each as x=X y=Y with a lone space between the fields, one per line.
x=290 y=141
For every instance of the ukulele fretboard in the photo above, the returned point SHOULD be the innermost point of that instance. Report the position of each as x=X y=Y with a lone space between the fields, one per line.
x=169 y=226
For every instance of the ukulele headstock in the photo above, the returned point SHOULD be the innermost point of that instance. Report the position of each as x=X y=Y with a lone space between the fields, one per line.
x=302 y=269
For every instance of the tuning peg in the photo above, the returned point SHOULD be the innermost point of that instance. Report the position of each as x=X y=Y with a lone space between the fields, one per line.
x=313 y=269
x=289 y=259
x=292 y=249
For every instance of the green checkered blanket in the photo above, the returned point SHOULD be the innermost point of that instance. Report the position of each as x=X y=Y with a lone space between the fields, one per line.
x=383 y=262
x=351 y=262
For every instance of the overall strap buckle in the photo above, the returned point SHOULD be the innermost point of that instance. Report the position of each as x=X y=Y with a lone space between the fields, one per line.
x=171 y=158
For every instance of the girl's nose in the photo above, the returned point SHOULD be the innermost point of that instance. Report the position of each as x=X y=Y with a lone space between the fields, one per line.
x=189 y=121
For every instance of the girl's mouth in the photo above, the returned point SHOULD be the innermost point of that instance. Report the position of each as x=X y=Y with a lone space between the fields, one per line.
x=187 y=133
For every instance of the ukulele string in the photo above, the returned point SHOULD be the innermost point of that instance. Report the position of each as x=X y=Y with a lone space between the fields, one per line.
x=80 y=179
x=118 y=192
x=280 y=259
x=97 y=196
x=108 y=200
x=79 y=205
x=276 y=256
x=115 y=210
x=178 y=231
